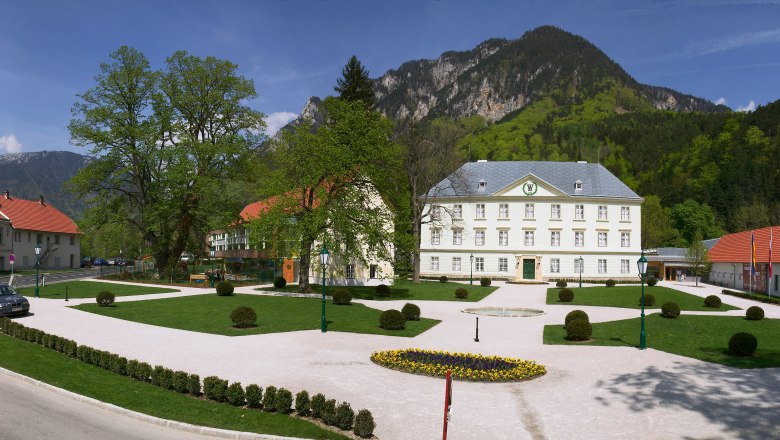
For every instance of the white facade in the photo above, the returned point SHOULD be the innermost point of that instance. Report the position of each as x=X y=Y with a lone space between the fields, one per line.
x=534 y=231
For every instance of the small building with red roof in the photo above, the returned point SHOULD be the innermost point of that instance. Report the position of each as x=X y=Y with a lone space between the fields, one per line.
x=25 y=223
x=732 y=257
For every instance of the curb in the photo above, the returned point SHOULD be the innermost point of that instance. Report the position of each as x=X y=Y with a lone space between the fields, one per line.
x=179 y=426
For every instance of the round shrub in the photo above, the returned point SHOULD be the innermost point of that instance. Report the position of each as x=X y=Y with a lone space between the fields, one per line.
x=283 y=401
x=224 y=288
x=105 y=298
x=383 y=290
x=743 y=344
x=561 y=284
x=649 y=300
x=461 y=293
x=392 y=320
x=329 y=412
x=575 y=314
x=443 y=279
x=712 y=301
x=302 y=403
x=485 y=282
x=342 y=297
x=610 y=283
x=243 y=317
x=670 y=310
x=754 y=313
x=235 y=394
x=411 y=312
x=269 y=399
x=317 y=403
x=566 y=295
x=254 y=396
x=579 y=330
x=280 y=282
x=652 y=281
x=364 y=424
x=345 y=417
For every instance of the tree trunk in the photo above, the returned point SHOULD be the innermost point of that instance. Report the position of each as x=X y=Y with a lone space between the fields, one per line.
x=416 y=227
x=303 y=271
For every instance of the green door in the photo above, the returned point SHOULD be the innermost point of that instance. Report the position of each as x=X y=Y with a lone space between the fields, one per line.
x=529 y=271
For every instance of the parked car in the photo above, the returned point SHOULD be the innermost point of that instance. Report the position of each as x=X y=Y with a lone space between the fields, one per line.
x=86 y=262
x=11 y=303
x=99 y=262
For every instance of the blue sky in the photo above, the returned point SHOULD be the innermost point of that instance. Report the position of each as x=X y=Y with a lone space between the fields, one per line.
x=292 y=49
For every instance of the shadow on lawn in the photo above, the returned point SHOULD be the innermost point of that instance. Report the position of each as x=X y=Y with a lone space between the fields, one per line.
x=745 y=402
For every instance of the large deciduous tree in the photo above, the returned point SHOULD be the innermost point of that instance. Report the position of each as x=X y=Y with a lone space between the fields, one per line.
x=324 y=185
x=355 y=85
x=164 y=145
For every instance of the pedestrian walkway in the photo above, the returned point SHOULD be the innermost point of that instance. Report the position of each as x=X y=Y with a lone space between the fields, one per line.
x=589 y=392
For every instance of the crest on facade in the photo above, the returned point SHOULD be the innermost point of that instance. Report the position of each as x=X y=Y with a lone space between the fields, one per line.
x=530 y=188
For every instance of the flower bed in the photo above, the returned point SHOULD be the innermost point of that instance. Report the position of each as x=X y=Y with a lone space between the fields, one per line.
x=464 y=366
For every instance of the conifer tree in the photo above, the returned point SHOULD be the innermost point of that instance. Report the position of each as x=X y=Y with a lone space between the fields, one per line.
x=355 y=84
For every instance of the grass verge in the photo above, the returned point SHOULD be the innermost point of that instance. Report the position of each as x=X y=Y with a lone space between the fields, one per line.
x=695 y=336
x=211 y=314
x=57 y=369
x=628 y=297
x=89 y=289
x=406 y=290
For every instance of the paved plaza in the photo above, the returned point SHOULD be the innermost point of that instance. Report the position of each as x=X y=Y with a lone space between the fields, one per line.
x=588 y=392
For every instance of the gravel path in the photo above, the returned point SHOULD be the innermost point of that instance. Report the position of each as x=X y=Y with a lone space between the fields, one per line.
x=588 y=393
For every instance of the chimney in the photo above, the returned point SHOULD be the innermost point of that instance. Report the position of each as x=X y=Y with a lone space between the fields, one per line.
x=40 y=200
x=8 y=195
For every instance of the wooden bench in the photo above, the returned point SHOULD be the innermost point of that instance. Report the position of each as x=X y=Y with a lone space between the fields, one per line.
x=198 y=277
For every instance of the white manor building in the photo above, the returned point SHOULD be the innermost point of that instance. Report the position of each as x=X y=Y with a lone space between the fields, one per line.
x=532 y=221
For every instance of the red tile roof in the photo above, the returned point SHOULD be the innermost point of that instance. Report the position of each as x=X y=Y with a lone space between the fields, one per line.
x=253 y=210
x=735 y=248
x=34 y=216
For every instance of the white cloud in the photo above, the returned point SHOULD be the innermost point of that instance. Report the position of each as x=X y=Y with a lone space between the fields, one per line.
x=727 y=43
x=277 y=120
x=721 y=101
x=9 y=144
x=747 y=108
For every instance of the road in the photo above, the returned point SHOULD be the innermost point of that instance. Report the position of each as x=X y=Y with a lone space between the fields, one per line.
x=30 y=412
x=51 y=277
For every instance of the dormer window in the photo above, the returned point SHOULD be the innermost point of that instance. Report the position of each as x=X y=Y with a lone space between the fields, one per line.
x=482 y=185
x=578 y=186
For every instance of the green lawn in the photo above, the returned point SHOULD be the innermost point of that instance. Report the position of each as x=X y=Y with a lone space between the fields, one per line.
x=696 y=336
x=57 y=369
x=628 y=297
x=407 y=290
x=211 y=314
x=90 y=289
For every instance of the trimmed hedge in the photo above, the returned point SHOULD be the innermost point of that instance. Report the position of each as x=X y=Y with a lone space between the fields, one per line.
x=364 y=424
x=269 y=399
x=712 y=301
x=579 y=330
x=225 y=288
x=383 y=290
x=243 y=317
x=105 y=298
x=561 y=284
x=392 y=320
x=443 y=279
x=566 y=295
x=754 y=313
x=763 y=299
x=575 y=314
x=743 y=344
x=342 y=297
x=302 y=403
x=280 y=282
x=283 y=401
x=411 y=312
x=610 y=283
x=235 y=394
x=461 y=293
x=485 y=282
x=254 y=396
x=670 y=310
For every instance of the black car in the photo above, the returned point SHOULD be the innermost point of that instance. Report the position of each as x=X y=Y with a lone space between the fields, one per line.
x=11 y=303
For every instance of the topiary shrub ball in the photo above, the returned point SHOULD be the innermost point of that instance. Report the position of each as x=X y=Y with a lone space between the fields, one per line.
x=579 y=330
x=712 y=301
x=610 y=283
x=392 y=320
x=105 y=298
x=561 y=284
x=754 y=313
x=575 y=314
x=670 y=310
x=383 y=290
x=743 y=344
x=280 y=282
x=411 y=312
x=364 y=424
x=243 y=317
x=225 y=288
x=443 y=279
x=485 y=282
x=649 y=300
x=566 y=295
x=461 y=293
x=652 y=281
x=342 y=297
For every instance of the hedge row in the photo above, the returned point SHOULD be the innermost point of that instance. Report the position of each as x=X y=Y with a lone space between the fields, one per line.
x=594 y=281
x=219 y=390
x=763 y=299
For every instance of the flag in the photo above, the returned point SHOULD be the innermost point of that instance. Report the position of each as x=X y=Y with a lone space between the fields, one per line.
x=752 y=253
x=770 y=254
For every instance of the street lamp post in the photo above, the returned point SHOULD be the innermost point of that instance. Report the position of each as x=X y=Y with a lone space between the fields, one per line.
x=642 y=265
x=211 y=254
x=581 y=261
x=471 y=271
x=37 y=266
x=324 y=255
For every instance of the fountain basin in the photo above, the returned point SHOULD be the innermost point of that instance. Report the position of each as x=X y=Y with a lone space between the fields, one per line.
x=504 y=312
